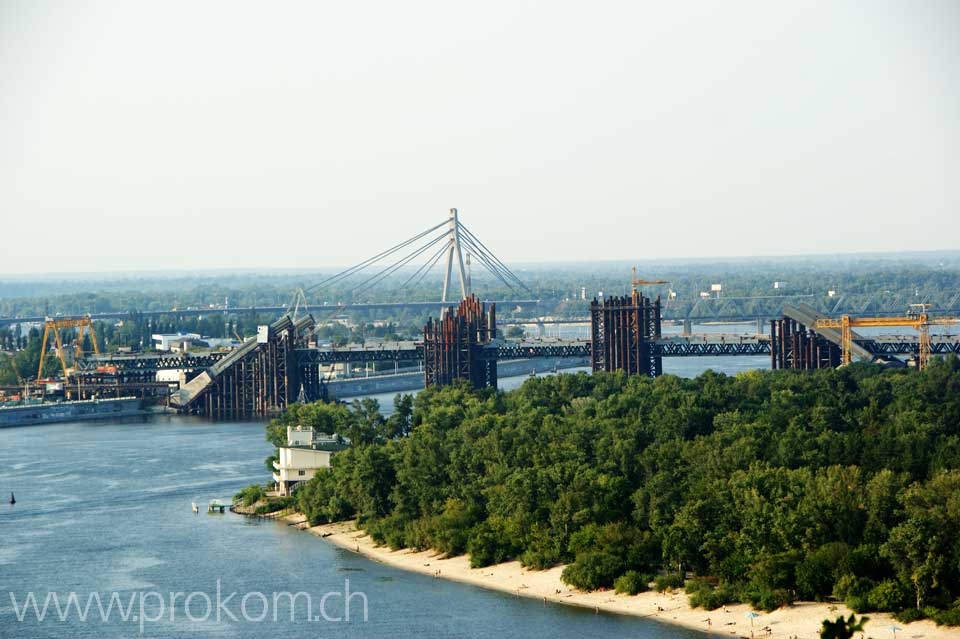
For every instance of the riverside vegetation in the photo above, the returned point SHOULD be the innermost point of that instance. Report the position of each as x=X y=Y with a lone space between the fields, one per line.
x=763 y=488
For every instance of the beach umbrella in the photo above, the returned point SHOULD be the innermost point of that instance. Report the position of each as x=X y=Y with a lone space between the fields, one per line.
x=751 y=616
x=894 y=629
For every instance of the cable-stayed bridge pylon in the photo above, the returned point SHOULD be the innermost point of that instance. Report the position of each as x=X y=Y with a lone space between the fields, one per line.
x=449 y=240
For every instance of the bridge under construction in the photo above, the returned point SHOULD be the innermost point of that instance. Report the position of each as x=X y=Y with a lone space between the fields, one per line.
x=452 y=246
x=282 y=364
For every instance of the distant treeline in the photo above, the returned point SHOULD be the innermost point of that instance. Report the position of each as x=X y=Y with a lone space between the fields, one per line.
x=892 y=281
x=765 y=487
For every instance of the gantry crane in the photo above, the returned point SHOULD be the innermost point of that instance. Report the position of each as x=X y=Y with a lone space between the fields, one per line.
x=917 y=318
x=56 y=324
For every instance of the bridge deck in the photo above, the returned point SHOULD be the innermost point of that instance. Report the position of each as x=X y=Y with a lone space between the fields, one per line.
x=808 y=316
x=696 y=345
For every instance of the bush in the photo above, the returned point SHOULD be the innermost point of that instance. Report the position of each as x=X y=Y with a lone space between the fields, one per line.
x=817 y=572
x=767 y=599
x=858 y=603
x=419 y=533
x=542 y=550
x=390 y=531
x=319 y=500
x=592 y=570
x=631 y=583
x=849 y=586
x=486 y=546
x=273 y=505
x=888 y=595
x=268 y=462
x=668 y=581
x=947 y=617
x=910 y=614
x=449 y=531
x=251 y=494
x=703 y=595
x=696 y=586
x=854 y=591
x=538 y=559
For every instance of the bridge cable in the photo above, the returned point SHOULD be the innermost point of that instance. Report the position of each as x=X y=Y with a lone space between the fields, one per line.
x=500 y=266
x=493 y=265
x=391 y=269
x=516 y=279
x=488 y=264
x=427 y=266
x=342 y=275
x=371 y=260
x=488 y=260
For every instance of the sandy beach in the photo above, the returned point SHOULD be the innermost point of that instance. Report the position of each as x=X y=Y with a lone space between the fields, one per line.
x=801 y=620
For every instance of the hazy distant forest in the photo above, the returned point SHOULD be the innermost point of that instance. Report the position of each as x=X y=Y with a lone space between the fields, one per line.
x=890 y=277
x=767 y=487
x=890 y=282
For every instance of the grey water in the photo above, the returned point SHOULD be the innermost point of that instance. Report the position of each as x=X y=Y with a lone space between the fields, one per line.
x=106 y=508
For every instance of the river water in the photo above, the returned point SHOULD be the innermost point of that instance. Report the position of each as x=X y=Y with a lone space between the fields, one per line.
x=105 y=508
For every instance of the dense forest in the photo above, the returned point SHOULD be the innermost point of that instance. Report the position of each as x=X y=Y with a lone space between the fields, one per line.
x=767 y=487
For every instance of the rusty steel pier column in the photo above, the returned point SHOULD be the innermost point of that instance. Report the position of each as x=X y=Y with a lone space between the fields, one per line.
x=457 y=346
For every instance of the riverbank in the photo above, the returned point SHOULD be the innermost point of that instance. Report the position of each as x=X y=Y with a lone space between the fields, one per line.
x=801 y=620
x=350 y=387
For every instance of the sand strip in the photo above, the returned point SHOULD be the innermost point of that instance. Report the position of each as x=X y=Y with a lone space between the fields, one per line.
x=801 y=620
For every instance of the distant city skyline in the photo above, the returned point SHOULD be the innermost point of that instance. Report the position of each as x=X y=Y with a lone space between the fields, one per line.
x=141 y=136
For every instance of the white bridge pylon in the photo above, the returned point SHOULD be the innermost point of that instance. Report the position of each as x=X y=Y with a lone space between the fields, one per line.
x=454 y=251
x=449 y=238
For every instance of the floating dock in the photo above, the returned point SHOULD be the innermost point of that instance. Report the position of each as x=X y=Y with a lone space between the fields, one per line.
x=57 y=412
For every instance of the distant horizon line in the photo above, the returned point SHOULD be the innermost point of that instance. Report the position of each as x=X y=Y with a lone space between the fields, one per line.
x=279 y=270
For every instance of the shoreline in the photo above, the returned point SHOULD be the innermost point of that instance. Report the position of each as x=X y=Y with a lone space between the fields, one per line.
x=801 y=620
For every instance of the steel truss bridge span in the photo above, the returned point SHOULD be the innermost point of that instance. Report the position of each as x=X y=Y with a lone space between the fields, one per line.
x=696 y=345
x=411 y=352
x=266 y=310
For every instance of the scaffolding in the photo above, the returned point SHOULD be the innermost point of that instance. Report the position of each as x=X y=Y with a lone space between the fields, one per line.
x=623 y=332
x=457 y=346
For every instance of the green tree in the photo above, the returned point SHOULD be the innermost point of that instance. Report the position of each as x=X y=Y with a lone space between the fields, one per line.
x=924 y=549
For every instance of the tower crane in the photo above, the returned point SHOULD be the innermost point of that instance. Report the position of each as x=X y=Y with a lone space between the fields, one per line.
x=643 y=282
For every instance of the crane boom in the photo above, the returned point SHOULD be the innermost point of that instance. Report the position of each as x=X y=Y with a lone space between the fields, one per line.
x=635 y=282
x=920 y=321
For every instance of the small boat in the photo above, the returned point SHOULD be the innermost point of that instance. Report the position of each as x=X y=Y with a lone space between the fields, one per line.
x=196 y=509
x=13 y=499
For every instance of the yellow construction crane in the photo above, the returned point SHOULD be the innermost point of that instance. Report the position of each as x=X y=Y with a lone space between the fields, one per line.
x=917 y=318
x=81 y=324
x=642 y=282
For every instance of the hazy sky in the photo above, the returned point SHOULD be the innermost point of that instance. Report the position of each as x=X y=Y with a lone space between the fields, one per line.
x=145 y=135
